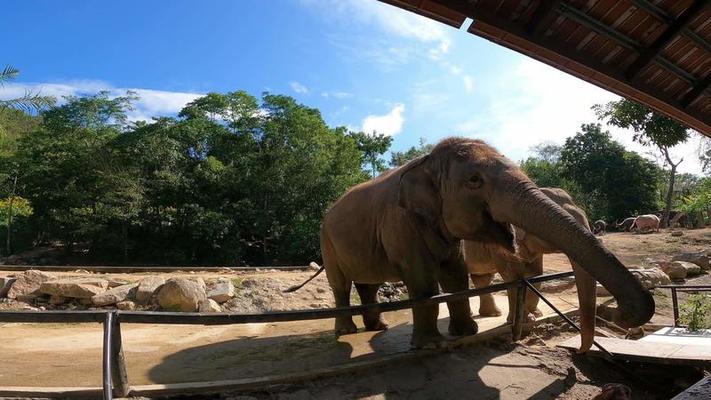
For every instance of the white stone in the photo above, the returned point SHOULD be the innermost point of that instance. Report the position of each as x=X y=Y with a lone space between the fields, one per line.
x=180 y=294
x=208 y=306
x=222 y=291
x=80 y=288
x=26 y=287
x=115 y=295
x=147 y=287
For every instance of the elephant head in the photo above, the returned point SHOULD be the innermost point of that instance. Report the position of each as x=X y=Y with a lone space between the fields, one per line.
x=467 y=190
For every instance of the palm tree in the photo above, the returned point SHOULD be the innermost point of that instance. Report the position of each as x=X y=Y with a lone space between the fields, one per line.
x=30 y=101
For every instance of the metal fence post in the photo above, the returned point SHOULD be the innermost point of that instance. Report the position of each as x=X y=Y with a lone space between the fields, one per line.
x=108 y=325
x=118 y=362
x=675 y=306
x=520 y=315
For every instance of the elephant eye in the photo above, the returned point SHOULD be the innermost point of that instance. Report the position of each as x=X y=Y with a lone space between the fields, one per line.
x=475 y=181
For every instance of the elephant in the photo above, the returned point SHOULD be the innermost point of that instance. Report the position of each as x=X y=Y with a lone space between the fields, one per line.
x=626 y=224
x=484 y=260
x=599 y=227
x=646 y=223
x=407 y=225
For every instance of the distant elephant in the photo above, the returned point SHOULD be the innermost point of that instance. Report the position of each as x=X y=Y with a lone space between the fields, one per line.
x=407 y=224
x=626 y=224
x=646 y=223
x=484 y=260
x=599 y=227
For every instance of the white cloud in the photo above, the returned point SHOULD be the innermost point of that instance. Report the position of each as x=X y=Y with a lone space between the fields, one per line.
x=389 y=19
x=337 y=95
x=389 y=124
x=151 y=102
x=533 y=103
x=468 y=83
x=298 y=87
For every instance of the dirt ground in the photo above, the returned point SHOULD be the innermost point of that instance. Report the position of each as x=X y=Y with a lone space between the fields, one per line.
x=533 y=368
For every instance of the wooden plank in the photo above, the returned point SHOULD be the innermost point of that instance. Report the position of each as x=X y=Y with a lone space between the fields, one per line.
x=50 y=392
x=651 y=352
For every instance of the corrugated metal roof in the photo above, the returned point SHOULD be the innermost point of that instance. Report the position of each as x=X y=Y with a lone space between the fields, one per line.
x=655 y=52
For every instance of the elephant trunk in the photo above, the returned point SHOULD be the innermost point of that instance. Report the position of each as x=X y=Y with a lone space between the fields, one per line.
x=526 y=206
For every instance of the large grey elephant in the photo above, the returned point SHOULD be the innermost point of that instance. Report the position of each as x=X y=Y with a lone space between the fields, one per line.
x=407 y=224
x=484 y=260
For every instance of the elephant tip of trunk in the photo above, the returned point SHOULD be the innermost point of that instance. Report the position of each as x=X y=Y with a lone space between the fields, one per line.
x=640 y=314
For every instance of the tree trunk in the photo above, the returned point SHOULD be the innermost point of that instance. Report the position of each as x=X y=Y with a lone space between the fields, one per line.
x=8 y=241
x=670 y=191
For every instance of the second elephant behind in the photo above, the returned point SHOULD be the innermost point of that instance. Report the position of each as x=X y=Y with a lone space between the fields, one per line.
x=484 y=260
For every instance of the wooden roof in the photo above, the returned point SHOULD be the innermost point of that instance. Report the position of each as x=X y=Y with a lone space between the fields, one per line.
x=657 y=52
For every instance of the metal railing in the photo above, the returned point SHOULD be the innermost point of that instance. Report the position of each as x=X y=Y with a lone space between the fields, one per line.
x=682 y=288
x=115 y=378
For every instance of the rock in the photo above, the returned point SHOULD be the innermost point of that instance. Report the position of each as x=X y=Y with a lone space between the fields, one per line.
x=651 y=277
x=80 y=288
x=127 y=305
x=147 y=287
x=691 y=268
x=673 y=269
x=699 y=258
x=209 y=305
x=27 y=285
x=677 y=233
x=5 y=284
x=180 y=294
x=115 y=295
x=222 y=291
x=314 y=266
x=57 y=300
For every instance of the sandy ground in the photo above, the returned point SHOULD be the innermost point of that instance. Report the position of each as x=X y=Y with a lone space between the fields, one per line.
x=70 y=354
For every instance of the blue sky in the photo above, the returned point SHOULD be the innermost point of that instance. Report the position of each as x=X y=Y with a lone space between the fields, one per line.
x=364 y=64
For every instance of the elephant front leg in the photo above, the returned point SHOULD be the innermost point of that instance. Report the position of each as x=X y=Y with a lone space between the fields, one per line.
x=487 y=304
x=531 y=269
x=421 y=284
x=453 y=278
x=373 y=320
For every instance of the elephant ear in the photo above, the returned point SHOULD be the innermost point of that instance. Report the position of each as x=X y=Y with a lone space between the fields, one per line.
x=418 y=193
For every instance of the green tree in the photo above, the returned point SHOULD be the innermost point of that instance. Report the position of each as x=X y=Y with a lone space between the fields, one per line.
x=30 y=101
x=398 y=158
x=372 y=146
x=650 y=128
x=613 y=182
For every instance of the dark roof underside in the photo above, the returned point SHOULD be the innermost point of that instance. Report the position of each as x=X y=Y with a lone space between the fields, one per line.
x=655 y=52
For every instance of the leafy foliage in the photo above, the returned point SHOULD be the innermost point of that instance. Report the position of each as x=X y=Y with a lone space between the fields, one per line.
x=30 y=101
x=373 y=146
x=695 y=313
x=398 y=158
x=232 y=179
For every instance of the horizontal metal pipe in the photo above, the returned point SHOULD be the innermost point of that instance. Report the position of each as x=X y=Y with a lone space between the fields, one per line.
x=684 y=287
x=150 y=317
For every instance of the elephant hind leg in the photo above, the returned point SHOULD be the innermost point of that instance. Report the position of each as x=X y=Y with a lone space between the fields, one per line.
x=372 y=320
x=487 y=304
x=341 y=287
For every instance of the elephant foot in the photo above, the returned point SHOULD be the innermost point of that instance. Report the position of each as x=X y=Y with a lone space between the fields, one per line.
x=537 y=313
x=489 y=311
x=429 y=340
x=345 y=327
x=375 y=324
x=463 y=327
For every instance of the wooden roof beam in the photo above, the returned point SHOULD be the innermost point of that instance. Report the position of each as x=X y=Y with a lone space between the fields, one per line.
x=543 y=11
x=696 y=91
x=663 y=16
x=648 y=54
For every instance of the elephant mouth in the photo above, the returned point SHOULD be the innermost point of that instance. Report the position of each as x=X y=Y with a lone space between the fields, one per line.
x=499 y=233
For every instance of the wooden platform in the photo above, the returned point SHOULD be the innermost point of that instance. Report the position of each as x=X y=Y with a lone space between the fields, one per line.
x=666 y=346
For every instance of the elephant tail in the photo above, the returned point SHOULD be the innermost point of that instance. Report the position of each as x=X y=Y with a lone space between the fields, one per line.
x=297 y=287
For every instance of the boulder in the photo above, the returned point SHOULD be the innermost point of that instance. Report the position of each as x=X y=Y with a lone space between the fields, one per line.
x=181 y=294
x=699 y=258
x=127 y=305
x=208 y=306
x=691 y=268
x=79 y=288
x=222 y=291
x=27 y=285
x=674 y=269
x=314 y=266
x=651 y=277
x=5 y=283
x=115 y=295
x=147 y=287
